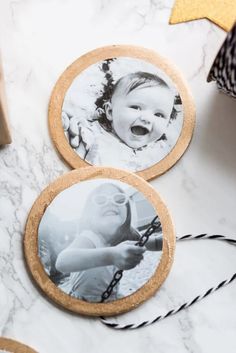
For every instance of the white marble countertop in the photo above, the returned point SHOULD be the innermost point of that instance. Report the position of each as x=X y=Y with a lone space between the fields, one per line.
x=38 y=40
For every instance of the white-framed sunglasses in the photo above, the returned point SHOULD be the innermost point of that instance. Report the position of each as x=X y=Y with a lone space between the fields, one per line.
x=118 y=199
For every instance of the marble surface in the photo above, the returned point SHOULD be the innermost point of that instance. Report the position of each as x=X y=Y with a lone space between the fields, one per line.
x=38 y=39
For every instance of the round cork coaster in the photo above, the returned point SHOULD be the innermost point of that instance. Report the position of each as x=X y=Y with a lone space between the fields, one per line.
x=10 y=346
x=99 y=241
x=122 y=106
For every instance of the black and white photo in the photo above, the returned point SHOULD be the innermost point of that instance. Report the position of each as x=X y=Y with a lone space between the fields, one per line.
x=122 y=112
x=90 y=230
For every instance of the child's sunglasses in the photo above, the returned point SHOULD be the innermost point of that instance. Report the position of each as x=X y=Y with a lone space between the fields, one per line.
x=117 y=199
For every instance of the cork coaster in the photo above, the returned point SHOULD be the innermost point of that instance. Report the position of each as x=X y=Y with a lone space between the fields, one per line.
x=10 y=346
x=122 y=106
x=92 y=225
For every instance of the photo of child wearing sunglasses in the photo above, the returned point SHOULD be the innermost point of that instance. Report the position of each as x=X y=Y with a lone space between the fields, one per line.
x=112 y=220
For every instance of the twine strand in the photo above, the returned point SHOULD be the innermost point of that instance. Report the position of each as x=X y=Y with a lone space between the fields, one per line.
x=186 y=305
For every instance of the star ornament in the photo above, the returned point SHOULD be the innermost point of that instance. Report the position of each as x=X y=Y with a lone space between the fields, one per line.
x=221 y=12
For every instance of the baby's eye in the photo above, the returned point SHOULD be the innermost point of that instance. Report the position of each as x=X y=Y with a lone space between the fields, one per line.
x=136 y=107
x=160 y=115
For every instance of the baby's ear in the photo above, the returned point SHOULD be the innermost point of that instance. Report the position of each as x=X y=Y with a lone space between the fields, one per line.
x=108 y=110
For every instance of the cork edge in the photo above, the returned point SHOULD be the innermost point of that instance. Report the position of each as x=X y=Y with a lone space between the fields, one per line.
x=35 y=267
x=65 y=80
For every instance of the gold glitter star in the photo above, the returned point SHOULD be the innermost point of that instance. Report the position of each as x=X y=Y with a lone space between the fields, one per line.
x=221 y=12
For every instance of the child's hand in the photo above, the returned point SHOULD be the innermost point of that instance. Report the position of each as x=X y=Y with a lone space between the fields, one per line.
x=127 y=255
x=154 y=242
x=65 y=121
x=79 y=131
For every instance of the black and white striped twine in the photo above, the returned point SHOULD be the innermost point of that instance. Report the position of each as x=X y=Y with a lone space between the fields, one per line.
x=186 y=305
x=223 y=70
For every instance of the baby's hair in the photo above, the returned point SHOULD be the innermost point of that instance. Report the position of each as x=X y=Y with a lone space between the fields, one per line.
x=130 y=82
x=139 y=79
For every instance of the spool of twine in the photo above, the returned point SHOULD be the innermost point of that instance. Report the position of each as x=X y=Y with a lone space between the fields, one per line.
x=223 y=70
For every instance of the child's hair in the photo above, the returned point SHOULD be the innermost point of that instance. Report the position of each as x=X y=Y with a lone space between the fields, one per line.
x=138 y=79
x=125 y=231
x=130 y=81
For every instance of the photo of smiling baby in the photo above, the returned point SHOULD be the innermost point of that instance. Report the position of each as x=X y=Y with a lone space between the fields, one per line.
x=90 y=231
x=122 y=112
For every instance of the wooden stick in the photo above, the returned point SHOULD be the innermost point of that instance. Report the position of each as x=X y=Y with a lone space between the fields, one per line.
x=5 y=136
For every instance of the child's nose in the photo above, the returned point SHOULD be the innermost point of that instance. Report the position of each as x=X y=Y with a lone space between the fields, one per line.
x=109 y=201
x=146 y=118
x=146 y=121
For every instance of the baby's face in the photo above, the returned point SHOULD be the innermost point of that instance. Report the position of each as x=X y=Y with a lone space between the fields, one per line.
x=141 y=116
x=109 y=209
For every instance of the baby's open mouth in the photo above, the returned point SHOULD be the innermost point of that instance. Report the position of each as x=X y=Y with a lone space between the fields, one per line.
x=139 y=130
